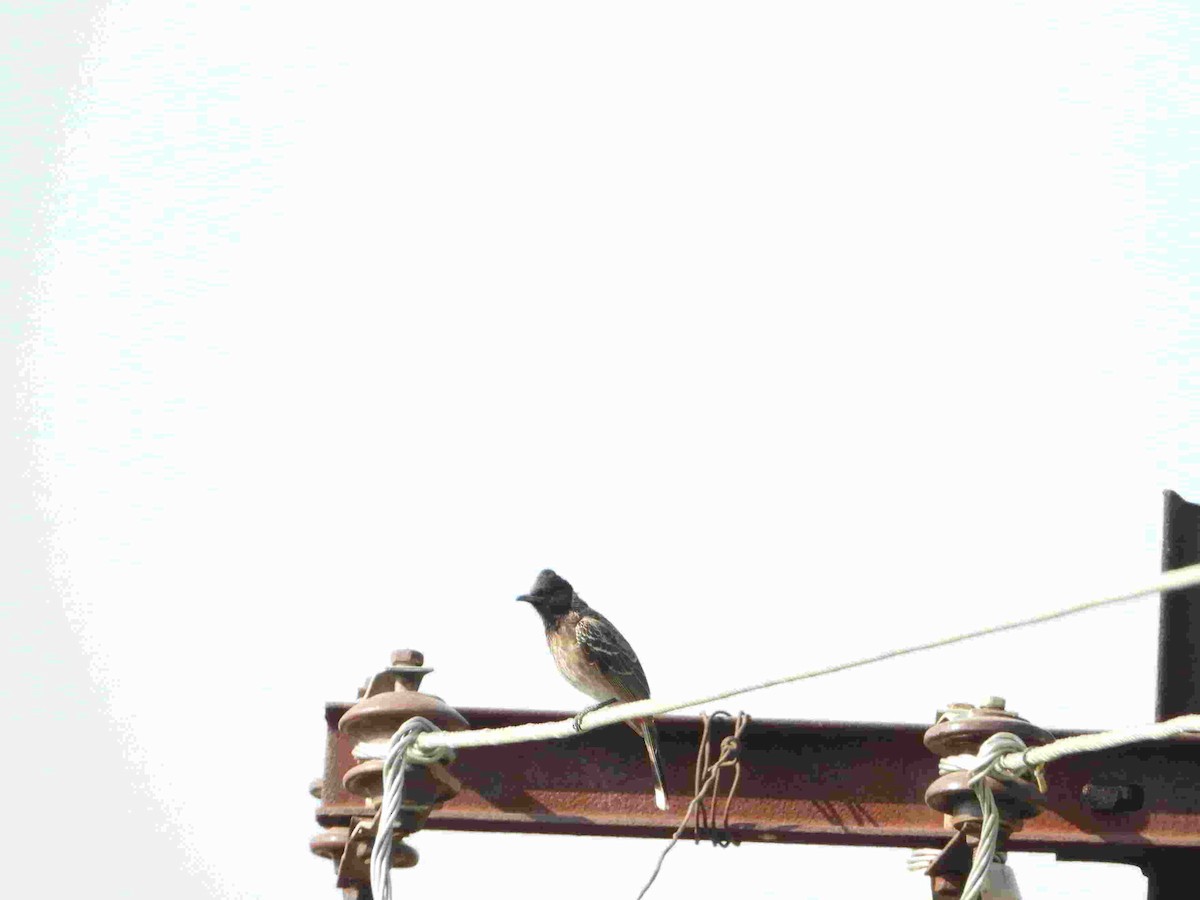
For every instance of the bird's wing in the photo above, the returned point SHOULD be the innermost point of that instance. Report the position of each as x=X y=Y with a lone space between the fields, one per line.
x=613 y=656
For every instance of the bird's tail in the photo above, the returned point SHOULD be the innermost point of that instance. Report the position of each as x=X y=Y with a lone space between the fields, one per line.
x=650 y=734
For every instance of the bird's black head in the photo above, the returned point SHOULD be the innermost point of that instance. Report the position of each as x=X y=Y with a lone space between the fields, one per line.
x=550 y=595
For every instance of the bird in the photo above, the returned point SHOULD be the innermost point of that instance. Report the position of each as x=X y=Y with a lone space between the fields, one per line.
x=595 y=658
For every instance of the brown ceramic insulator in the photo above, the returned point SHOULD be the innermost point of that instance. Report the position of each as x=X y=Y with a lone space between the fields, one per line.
x=404 y=856
x=423 y=785
x=354 y=866
x=376 y=717
x=331 y=843
x=952 y=795
x=392 y=698
x=966 y=734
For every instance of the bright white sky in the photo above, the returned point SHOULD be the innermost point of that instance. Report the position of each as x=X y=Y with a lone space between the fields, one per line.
x=830 y=326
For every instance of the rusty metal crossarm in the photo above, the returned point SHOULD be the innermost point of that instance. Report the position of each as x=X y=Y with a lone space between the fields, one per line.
x=802 y=782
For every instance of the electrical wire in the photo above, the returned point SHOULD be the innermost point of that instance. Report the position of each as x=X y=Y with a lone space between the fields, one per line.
x=394 y=766
x=981 y=765
x=1030 y=761
x=1176 y=579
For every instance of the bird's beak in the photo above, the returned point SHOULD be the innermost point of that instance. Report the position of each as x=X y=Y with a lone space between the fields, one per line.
x=524 y=598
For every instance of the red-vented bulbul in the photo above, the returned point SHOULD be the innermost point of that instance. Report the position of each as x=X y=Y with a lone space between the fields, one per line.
x=595 y=658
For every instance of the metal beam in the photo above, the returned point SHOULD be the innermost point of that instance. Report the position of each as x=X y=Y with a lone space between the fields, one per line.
x=802 y=782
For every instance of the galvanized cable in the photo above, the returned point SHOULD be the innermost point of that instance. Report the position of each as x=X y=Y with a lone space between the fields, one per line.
x=921 y=858
x=1021 y=762
x=395 y=764
x=982 y=765
x=730 y=749
x=1176 y=579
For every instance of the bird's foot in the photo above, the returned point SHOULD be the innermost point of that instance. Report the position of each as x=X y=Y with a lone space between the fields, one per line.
x=578 y=721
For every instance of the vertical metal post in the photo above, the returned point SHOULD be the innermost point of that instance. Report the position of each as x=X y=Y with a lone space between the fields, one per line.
x=1170 y=873
x=1179 y=613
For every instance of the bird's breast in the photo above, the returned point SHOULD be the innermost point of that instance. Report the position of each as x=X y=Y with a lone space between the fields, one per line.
x=574 y=663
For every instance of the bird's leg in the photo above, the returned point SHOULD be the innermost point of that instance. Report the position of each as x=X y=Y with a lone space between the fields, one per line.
x=583 y=712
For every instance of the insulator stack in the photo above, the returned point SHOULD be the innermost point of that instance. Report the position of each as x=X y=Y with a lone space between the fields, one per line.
x=962 y=729
x=391 y=697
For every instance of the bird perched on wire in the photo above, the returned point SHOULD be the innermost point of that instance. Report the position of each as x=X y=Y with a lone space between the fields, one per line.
x=595 y=658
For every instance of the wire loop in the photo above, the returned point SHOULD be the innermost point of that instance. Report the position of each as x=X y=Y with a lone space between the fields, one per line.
x=705 y=784
x=728 y=757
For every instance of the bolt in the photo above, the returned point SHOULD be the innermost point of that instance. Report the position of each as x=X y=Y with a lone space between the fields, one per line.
x=317 y=787
x=1114 y=798
x=992 y=703
x=408 y=658
x=409 y=680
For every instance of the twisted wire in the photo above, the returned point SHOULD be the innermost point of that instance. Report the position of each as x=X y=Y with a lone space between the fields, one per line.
x=401 y=750
x=730 y=748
